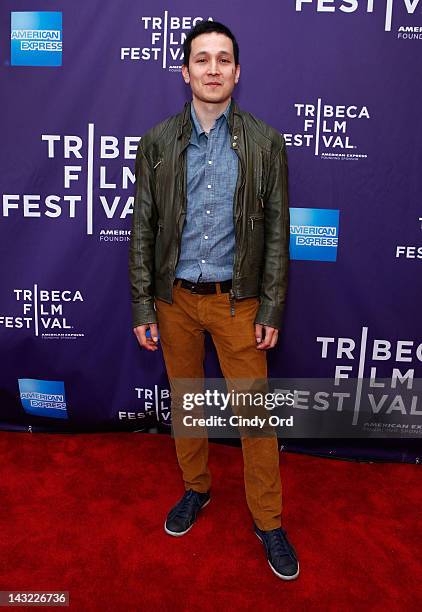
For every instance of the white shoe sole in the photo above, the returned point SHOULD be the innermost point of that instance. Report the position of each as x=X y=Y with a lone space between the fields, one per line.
x=176 y=534
x=282 y=576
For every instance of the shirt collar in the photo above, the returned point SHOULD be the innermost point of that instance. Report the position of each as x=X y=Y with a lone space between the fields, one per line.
x=198 y=128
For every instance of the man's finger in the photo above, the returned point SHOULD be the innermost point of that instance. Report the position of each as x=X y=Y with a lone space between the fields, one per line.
x=274 y=339
x=258 y=332
x=140 y=333
x=154 y=331
x=267 y=338
x=270 y=340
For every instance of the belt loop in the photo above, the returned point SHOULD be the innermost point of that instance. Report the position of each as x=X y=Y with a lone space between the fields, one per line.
x=218 y=287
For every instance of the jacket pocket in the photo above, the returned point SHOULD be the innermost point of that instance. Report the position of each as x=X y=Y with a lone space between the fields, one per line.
x=260 y=183
x=256 y=234
x=256 y=219
x=158 y=177
x=158 y=247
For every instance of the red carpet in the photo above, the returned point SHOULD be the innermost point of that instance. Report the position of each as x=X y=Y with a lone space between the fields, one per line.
x=84 y=513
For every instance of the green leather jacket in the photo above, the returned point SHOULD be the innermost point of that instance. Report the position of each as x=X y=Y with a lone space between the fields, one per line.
x=260 y=215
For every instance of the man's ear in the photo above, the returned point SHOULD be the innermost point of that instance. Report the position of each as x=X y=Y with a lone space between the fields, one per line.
x=237 y=74
x=185 y=73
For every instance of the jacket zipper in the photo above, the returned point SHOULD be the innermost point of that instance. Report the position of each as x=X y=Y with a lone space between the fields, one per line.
x=241 y=186
x=182 y=199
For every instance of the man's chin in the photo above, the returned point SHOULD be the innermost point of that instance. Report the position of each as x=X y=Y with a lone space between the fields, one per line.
x=214 y=98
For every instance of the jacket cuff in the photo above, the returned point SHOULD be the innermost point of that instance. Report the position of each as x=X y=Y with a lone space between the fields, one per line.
x=142 y=314
x=270 y=315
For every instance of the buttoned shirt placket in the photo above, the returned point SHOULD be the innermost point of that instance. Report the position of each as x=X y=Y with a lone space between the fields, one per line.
x=209 y=203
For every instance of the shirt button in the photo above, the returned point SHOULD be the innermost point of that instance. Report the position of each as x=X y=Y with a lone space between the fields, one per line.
x=206 y=237
x=210 y=162
x=234 y=144
x=208 y=212
x=209 y=186
x=202 y=260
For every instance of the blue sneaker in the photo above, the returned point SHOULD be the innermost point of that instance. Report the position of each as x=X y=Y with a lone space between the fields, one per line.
x=182 y=517
x=281 y=555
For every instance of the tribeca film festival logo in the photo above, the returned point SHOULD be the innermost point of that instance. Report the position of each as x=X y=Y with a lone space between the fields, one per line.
x=167 y=35
x=44 y=312
x=45 y=398
x=36 y=39
x=95 y=182
x=403 y=8
x=385 y=395
x=326 y=129
x=155 y=402
x=314 y=234
x=410 y=251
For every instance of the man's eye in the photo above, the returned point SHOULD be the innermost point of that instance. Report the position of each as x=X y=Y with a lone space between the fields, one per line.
x=226 y=61
x=201 y=60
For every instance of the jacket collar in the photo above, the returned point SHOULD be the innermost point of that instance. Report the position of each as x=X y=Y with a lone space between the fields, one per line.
x=185 y=121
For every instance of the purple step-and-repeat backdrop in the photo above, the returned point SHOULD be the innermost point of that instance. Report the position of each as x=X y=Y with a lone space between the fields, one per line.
x=81 y=82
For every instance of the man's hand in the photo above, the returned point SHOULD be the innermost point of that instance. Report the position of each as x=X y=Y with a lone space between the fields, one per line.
x=151 y=344
x=266 y=336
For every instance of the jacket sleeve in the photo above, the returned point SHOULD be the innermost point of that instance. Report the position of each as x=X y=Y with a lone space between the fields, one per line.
x=277 y=234
x=142 y=243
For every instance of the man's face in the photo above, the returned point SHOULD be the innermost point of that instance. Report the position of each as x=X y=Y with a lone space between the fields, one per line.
x=212 y=72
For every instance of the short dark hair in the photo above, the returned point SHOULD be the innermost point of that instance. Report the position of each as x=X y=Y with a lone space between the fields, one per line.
x=205 y=27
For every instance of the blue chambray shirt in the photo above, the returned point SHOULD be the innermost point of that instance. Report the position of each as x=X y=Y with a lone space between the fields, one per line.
x=208 y=240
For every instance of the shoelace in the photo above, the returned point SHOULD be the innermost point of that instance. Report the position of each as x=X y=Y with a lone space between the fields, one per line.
x=277 y=544
x=186 y=505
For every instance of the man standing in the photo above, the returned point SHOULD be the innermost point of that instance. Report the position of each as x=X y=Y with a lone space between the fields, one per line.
x=209 y=252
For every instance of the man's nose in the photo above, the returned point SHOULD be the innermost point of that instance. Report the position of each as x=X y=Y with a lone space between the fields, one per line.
x=213 y=67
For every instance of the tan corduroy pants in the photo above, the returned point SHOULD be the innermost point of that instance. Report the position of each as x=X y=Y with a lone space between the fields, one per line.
x=181 y=326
